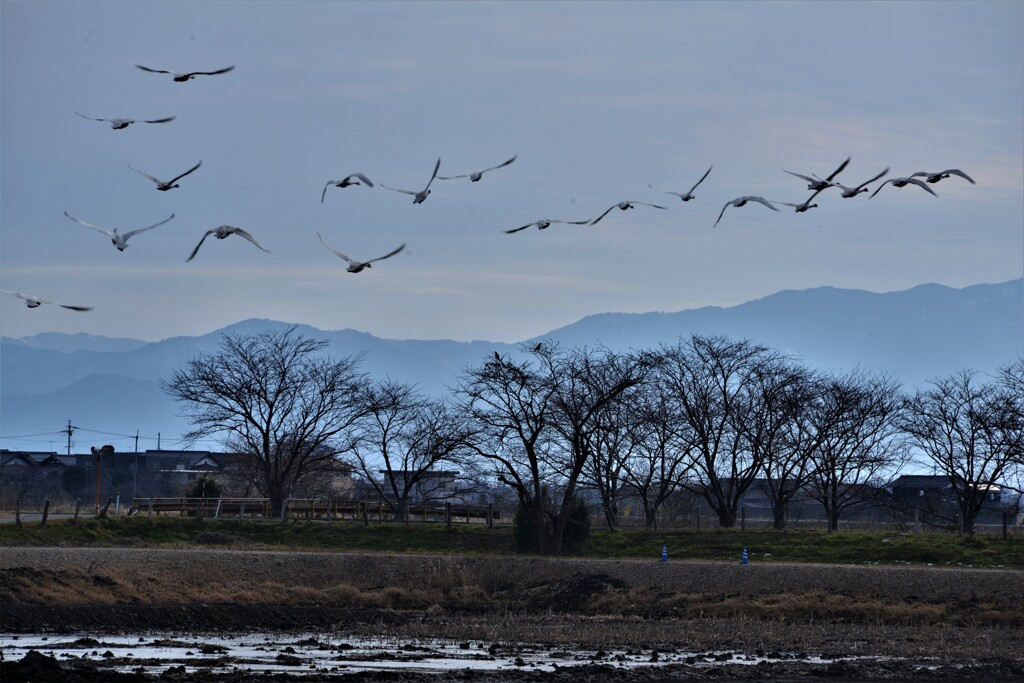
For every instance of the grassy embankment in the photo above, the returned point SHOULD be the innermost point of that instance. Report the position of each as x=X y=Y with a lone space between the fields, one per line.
x=763 y=545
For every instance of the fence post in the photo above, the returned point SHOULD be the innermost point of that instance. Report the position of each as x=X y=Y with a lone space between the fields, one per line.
x=241 y=513
x=78 y=505
x=17 y=512
x=216 y=513
x=490 y=515
x=743 y=518
x=284 y=511
x=366 y=513
x=448 y=515
x=1006 y=524
x=150 y=515
x=46 y=511
x=330 y=512
x=103 y=512
x=467 y=513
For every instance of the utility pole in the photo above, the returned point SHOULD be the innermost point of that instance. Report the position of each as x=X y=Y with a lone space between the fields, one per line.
x=135 y=481
x=69 y=430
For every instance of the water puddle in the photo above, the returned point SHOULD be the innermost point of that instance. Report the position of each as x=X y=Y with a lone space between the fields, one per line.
x=312 y=654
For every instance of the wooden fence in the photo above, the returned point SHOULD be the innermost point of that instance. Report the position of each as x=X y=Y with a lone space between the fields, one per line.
x=320 y=509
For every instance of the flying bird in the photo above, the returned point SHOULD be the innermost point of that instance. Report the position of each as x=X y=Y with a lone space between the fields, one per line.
x=941 y=175
x=849 y=192
x=544 y=223
x=118 y=124
x=804 y=206
x=815 y=183
x=902 y=182
x=345 y=182
x=625 y=205
x=356 y=266
x=418 y=197
x=474 y=177
x=187 y=76
x=688 y=195
x=36 y=302
x=220 y=233
x=741 y=201
x=170 y=184
x=118 y=239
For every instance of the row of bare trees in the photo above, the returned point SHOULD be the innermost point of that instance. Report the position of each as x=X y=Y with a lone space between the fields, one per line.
x=710 y=415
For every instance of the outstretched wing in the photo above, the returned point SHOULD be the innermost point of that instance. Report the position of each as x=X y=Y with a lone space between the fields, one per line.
x=956 y=171
x=208 y=73
x=388 y=255
x=919 y=183
x=363 y=178
x=868 y=182
x=73 y=308
x=128 y=235
x=501 y=165
x=724 y=208
x=196 y=250
x=336 y=252
x=433 y=175
x=97 y=228
x=656 y=206
x=879 y=188
x=146 y=175
x=761 y=200
x=395 y=189
x=242 y=233
x=176 y=179
x=169 y=118
x=607 y=211
x=800 y=175
x=678 y=194
x=839 y=170
x=701 y=179
x=90 y=118
x=153 y=71
x=524 y=227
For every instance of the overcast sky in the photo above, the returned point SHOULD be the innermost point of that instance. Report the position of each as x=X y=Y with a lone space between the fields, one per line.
x=598 y=100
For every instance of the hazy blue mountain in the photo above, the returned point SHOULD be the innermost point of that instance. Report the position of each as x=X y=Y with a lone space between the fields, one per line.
x=112 y=386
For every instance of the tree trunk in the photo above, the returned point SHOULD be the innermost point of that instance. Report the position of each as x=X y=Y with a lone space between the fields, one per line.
x=779 y=516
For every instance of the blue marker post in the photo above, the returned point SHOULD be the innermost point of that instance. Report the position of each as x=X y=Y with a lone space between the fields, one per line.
x=664 y=553
x=744 y=559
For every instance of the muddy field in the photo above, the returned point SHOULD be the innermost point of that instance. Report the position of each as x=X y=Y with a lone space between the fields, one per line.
x=761 y=621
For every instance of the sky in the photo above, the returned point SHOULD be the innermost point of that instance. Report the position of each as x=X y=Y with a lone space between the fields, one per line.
x=597 y=101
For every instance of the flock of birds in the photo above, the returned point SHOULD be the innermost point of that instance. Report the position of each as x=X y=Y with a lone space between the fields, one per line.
x=815 y=185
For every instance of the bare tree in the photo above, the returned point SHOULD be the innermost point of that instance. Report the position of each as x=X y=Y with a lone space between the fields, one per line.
x=657 y=459
x=534 y=420
x=781 y=392
x=275 y=399
x=402 y=438
x=710 y=381
x=858 y=445
x=965 y=428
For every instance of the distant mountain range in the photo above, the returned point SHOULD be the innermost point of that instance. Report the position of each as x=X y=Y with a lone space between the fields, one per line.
x=109 y=388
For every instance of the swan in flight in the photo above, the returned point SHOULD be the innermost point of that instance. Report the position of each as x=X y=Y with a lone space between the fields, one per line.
x=688 y=195
x=118 y=124
x=623 y=206
x=345 y=182
x=474 y=177
x=902 y=182
x=356 y=266
x=849 y=192
x=544 y=223
x=118 y=239
x=36 y=302
x=418 y=197
x=741 y=201
x=815 y=183
x=170 y=184
x=220 y=233
x=941 y=175
x=800 y=208
x=187 y=76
